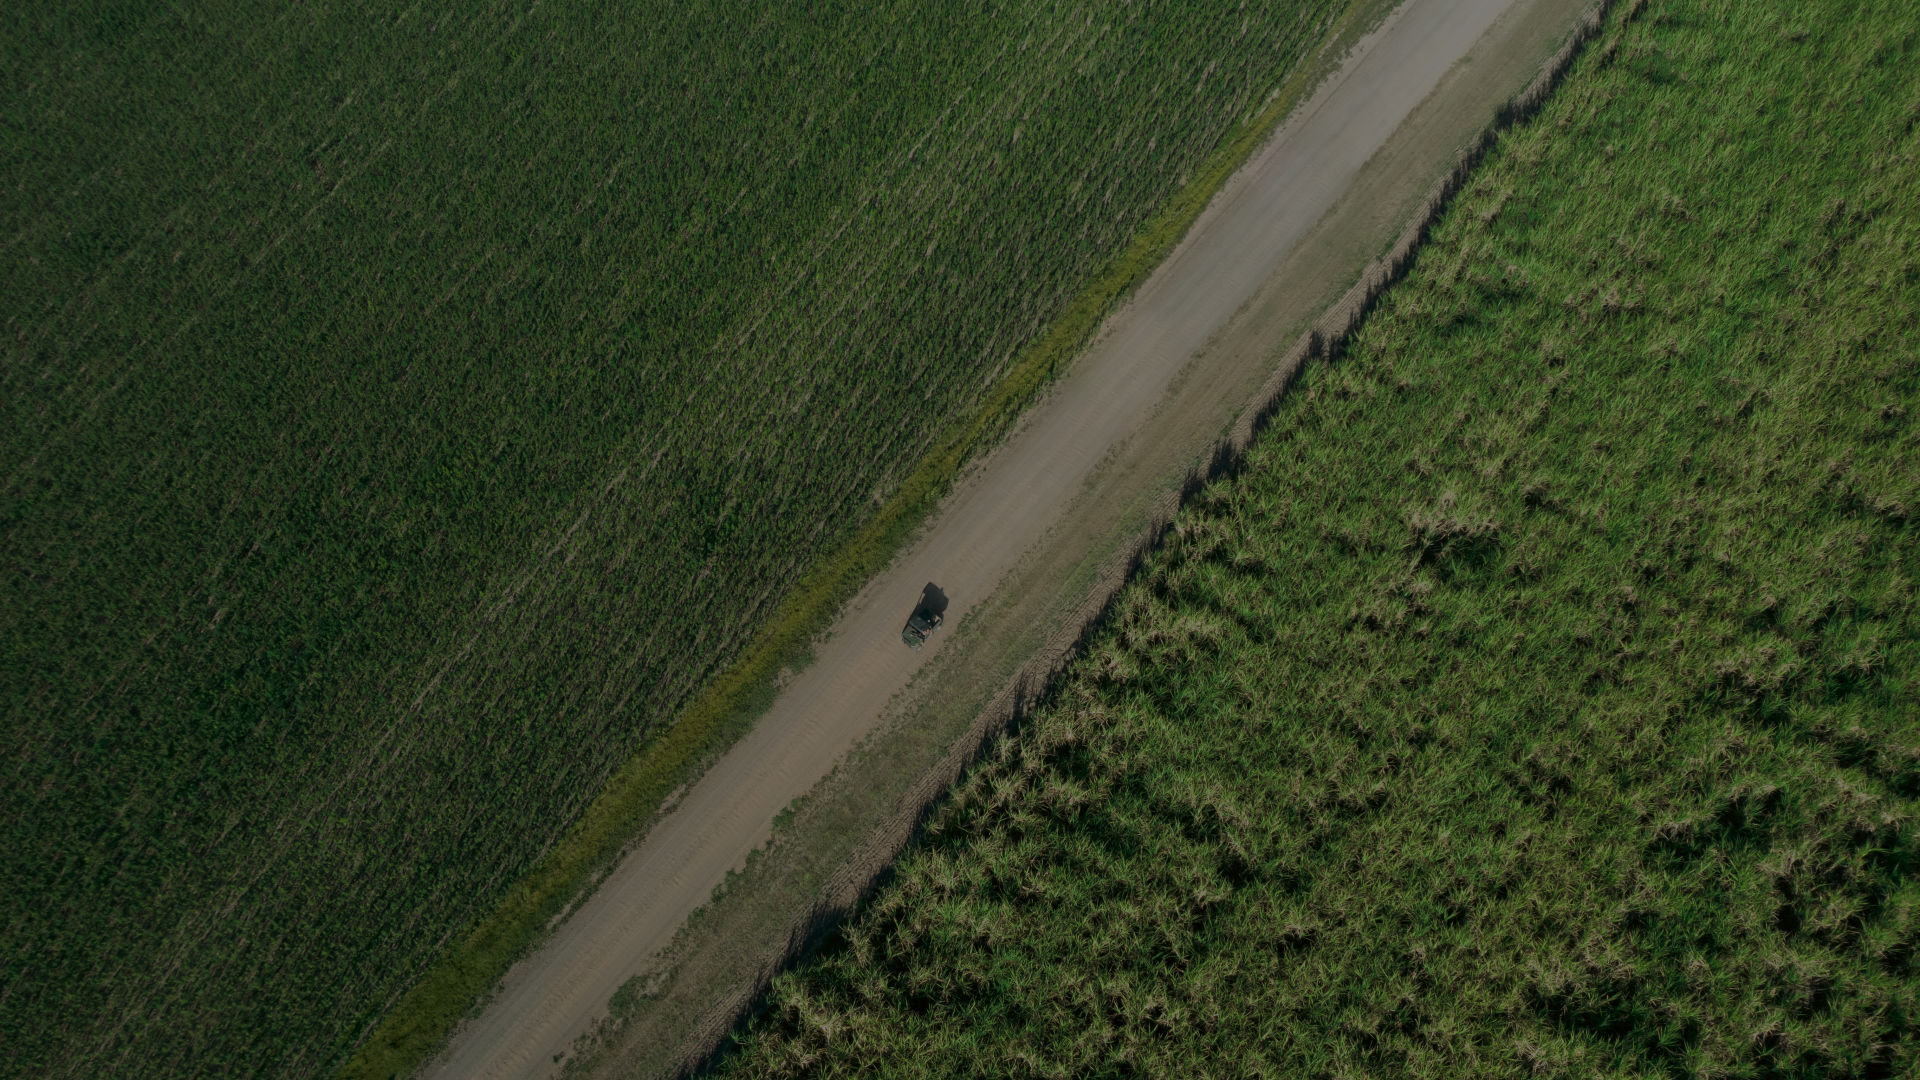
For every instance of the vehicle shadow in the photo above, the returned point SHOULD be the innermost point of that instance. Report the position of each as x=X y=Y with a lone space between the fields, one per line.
x=933 y=601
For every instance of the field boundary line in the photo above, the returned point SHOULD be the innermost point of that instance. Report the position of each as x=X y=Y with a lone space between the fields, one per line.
x=854 y=880
x=422 y=1018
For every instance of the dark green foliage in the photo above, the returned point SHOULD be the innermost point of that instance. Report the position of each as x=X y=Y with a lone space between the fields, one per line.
x=404 y=408
x=1541 y=699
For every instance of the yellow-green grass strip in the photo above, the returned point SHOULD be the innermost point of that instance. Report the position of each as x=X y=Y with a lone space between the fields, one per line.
x=420 y=1023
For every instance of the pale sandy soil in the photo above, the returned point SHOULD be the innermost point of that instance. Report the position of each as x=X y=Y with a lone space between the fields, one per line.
x=1167 y=373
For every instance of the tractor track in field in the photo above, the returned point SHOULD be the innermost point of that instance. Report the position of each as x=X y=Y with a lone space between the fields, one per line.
x=1010 y=546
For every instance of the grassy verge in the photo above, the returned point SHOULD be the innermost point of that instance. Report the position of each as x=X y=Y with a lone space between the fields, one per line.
x=1540 y=698
x=726 y=707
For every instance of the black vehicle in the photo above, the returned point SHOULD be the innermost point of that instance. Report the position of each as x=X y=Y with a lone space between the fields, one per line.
x=927 y=614
x=919 y=625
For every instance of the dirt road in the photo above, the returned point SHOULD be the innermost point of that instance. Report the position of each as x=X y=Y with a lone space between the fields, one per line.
x=1008 y=508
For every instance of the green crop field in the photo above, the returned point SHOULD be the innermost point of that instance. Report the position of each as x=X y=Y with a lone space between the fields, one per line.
x=405 y=408
x=1543 y=696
